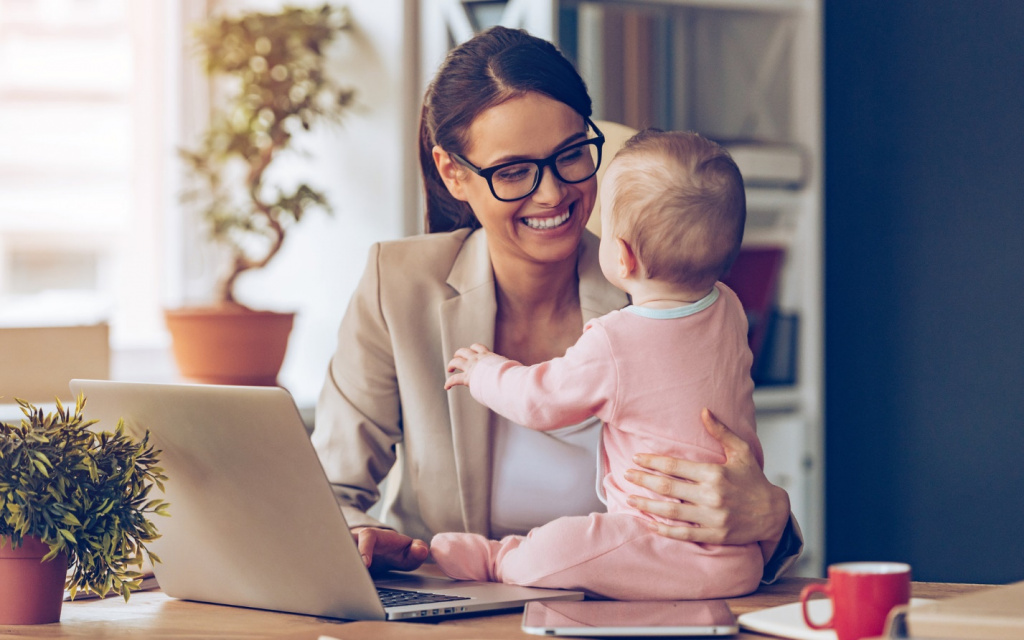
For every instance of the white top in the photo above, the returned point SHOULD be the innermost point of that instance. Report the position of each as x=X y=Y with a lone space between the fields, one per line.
x=538 y=476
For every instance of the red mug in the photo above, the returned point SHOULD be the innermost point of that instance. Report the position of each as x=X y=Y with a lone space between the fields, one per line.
x=862 y=594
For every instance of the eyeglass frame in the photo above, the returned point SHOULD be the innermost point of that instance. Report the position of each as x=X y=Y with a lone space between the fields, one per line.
x=487 y=173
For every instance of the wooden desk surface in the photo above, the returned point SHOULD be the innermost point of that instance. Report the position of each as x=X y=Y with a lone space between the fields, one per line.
x=154 y=615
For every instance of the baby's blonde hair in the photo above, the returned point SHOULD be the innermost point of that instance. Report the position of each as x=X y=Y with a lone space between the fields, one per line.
x=678 y=201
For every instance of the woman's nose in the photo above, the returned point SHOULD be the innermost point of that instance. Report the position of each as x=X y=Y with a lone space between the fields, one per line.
x=551 y=190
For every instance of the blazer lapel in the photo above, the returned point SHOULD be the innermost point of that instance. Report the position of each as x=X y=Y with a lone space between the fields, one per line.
x=467 y=318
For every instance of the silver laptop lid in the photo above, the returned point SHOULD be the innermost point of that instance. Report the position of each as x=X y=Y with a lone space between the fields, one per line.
x=253 y=520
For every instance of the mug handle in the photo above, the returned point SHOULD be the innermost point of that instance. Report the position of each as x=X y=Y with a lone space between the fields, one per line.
x=805 y=594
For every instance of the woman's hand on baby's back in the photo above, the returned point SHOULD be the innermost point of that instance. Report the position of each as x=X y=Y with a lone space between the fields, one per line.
x=730 y=503
x=383 y=549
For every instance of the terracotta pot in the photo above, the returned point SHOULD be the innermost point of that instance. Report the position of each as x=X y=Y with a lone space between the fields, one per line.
x=229 y=344
x=31 y=591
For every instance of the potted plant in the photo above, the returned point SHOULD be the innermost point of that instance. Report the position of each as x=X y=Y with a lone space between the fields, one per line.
x=71 y=497
x=274 y=66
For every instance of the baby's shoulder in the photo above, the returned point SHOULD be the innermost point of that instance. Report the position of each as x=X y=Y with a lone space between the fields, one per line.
x=727 y=296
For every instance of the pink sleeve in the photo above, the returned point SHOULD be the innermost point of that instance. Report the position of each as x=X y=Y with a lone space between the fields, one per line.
x=552 y=394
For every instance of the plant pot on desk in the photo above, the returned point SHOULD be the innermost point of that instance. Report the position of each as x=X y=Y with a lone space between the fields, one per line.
x=229 y=344
x=31 y=591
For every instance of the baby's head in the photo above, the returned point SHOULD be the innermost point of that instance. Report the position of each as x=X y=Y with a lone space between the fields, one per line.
x=677 y=199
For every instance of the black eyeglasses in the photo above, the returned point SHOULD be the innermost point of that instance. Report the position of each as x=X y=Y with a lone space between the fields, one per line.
x=511 y=181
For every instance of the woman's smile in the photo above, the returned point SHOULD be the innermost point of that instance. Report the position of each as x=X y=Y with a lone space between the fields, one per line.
x=546 y=222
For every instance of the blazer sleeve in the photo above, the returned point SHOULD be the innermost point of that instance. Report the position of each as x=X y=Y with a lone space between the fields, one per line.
x=786 y=552
x=358 y=415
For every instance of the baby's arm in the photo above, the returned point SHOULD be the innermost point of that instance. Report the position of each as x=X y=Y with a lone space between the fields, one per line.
x=545 y=396
x=464 y=361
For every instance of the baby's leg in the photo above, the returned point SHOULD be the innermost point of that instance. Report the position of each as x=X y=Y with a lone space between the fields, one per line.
x=468 y=556
x=617 y=556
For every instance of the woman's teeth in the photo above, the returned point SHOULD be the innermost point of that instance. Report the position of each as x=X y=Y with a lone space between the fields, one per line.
x=547 y=223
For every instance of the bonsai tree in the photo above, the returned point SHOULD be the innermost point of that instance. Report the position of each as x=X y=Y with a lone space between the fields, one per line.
x=278 y=85
x=82 y=493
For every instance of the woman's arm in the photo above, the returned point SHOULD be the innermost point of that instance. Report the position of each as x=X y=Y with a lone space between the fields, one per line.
x=358 y=413
x=731 y=503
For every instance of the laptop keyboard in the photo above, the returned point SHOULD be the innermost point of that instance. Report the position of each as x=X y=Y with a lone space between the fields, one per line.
x=401 y=598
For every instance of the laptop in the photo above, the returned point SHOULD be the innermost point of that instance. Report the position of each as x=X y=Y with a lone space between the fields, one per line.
x=254 y=522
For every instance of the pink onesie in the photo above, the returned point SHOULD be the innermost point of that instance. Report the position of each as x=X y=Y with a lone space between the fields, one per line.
x=647 y=374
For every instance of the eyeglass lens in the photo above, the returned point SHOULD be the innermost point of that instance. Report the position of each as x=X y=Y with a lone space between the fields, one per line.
x=575 y=164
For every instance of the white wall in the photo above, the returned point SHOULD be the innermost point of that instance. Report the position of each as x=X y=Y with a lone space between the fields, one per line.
x=366 y=166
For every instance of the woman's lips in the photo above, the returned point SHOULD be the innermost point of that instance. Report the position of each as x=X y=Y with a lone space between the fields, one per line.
x=548 y=222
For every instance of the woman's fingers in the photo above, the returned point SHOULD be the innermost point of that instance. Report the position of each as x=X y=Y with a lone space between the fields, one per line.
x=411 y=556
x=365 y=541
x=730 y=503
x=684 y=516
x=384 y=549
x=732 y=443
x=675 y=467
x=689 y=533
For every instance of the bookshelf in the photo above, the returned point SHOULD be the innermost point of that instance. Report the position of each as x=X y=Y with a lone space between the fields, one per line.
x=748 y=70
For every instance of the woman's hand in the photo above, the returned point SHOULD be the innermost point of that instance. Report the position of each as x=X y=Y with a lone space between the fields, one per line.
x=384 y=549
x=731 y=503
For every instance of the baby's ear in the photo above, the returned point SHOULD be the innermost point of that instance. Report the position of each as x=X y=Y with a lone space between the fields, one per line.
x=450 y=172
x=627 y=259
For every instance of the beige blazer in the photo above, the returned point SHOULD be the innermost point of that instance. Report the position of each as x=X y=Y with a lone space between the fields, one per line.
x=383 y=408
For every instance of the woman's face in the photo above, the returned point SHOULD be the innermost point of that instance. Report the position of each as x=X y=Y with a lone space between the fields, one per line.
x=546 y=226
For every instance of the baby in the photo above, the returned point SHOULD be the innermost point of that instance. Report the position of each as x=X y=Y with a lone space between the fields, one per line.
x=672 y=222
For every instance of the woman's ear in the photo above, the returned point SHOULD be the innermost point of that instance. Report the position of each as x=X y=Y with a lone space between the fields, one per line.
x=627 y=259
x=450 y=173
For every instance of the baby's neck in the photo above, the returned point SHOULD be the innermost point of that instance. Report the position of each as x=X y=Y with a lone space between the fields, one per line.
x=654 y=294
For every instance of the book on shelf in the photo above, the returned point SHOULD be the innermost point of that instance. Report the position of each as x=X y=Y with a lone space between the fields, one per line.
x=754 y=277
x=768 y=164
x=776 y=364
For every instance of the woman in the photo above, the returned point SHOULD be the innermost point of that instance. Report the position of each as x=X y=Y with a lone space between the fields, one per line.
x=507 y=263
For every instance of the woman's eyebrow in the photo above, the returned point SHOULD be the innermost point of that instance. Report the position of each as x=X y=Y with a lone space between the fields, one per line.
x=582 y=135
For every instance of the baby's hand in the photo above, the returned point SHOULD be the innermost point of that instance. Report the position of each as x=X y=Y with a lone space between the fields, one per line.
x=465 y=359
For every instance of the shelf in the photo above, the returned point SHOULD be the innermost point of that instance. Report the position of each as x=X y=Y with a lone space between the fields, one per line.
x=784 y=398
x=761 y=198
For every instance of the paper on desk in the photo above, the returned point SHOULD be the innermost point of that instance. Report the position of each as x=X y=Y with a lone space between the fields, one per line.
x=787 y=621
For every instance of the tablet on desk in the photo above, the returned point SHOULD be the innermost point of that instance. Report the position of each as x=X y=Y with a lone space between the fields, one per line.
x=612 y=618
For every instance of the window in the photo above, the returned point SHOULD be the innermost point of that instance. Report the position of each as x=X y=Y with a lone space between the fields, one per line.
x=85 y=146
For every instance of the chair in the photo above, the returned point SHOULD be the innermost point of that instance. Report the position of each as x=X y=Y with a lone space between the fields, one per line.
x=615 y=135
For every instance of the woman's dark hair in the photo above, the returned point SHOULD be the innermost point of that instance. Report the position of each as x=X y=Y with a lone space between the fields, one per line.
x=485 y=71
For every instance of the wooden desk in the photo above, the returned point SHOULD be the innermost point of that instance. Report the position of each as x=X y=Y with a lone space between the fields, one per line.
x=154 y=615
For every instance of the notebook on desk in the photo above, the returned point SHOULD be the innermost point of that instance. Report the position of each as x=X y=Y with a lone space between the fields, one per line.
x=990 y=614
x=254 y=522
